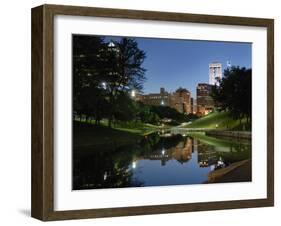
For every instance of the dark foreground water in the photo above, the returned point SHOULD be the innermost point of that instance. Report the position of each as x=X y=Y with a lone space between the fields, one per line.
x=158 y=159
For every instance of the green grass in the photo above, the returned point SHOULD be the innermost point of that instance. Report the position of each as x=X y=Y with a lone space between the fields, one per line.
x=218 y=120
x=136 y=127
x=131 y=127
x=85 y=134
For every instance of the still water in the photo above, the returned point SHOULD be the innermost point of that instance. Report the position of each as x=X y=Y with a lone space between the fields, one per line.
x=155 y=160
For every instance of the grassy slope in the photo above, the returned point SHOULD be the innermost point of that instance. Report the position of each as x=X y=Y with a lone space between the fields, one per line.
x=219 y=120
x=89 y=135
x=137 y=128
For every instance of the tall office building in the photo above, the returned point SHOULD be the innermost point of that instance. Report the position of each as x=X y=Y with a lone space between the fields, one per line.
x=205 y=103
x=215 y=71
x=228 y=64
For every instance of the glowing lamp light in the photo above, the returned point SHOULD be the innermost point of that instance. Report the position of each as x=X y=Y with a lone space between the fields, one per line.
x=133 y=93
x=103 y=85
x=134 y=165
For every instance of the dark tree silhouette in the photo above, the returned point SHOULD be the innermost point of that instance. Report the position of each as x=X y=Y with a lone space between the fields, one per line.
x=87 y=69
x=103 y=75
x=123 y=71
x=234 y=94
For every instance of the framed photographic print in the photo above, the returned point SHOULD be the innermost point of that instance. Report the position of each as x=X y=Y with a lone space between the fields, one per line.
x=141 y=112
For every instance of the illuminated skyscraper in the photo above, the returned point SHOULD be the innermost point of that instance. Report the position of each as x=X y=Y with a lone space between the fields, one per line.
x=205 y=103
x=215 y=72
x=228 y=64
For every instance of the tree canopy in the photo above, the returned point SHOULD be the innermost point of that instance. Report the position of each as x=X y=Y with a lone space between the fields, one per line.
x=103 y=73
x=234 y=93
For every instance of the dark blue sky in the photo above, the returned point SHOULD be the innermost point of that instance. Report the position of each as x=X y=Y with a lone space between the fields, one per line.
x=173 y=63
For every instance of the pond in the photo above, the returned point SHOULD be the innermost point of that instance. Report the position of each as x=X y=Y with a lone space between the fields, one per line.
x=157 y=159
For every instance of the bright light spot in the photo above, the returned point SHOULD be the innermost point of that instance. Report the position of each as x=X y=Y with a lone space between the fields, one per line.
x=162 y=102
x=103 y=85
x=134 y=165
x=105 y=175
x=163 y=152
x=133 y=93
x=111 y=44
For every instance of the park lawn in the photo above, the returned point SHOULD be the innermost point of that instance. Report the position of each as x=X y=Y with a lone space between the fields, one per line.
x=217 y=120
x=131 y=127
x=85 y=134
x=137 y=128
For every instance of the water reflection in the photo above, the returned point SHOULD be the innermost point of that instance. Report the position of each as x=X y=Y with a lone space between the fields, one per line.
x=157 y=159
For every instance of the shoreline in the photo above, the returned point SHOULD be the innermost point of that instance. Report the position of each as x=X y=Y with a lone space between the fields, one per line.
x=236 y=172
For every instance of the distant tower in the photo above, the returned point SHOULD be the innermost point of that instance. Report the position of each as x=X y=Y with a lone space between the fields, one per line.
x=215 y=72
x=228 y=64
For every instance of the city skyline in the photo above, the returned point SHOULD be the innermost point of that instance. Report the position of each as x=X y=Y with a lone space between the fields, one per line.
x=185 y=63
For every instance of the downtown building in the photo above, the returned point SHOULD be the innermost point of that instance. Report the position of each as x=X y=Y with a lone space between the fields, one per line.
x=215 y=72
x=179 y=100
x=193 y=105
x=156 y=99
x=205 y=103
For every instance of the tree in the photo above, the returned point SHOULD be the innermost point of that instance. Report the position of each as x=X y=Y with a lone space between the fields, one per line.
x=87 y=69
x=123 y=70
x=125 y=108
x=234 y=94
x=103 y=74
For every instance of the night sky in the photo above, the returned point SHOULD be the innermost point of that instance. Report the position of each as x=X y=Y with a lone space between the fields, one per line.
x=173 y=63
